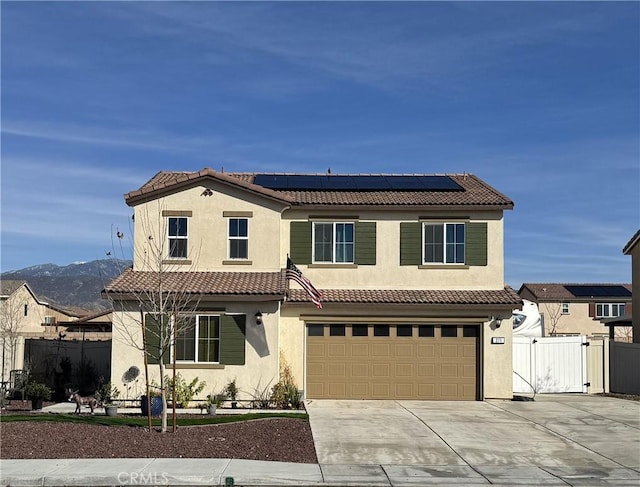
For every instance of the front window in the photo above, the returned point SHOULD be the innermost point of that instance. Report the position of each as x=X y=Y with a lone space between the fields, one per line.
x=609 y=310
x=198 y=339
x=443 y=243
x=565 y=308
x=178 y=237
x=238 y=238
x=333 y=242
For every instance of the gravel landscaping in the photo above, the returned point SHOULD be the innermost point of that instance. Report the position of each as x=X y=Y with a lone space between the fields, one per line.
x=274 y=439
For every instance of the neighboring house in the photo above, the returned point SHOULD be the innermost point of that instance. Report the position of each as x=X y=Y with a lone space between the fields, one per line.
x=410 y=267
x=30 y=328
x=23 y=316
x=633 y=249
x=576 y=309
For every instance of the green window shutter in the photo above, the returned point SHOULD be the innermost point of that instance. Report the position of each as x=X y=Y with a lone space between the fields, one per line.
x=476 y=245
x=300 y=242
x=232 y=339
x=152 y=339
x=365 y=243
x=410 y=243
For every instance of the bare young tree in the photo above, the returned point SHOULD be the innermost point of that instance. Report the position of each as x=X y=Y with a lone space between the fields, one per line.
x=553 y=314
x=155 y=298
x=11 y=323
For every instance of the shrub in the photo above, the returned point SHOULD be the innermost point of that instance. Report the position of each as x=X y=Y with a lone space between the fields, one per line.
x=261 y=396
x=184 y=392
x=37 y=390
x=231 y=390
x=107 y=393
x=285 y=394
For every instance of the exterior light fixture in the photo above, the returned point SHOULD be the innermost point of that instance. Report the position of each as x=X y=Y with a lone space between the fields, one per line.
x=258 y=318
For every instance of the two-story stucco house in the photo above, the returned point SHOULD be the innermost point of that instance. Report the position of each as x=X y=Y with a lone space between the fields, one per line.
x=410 y=268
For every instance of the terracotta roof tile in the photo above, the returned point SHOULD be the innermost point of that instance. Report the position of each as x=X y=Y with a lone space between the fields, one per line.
x=505 y=296
x=558 y=291
x=476 y=193
x=201 y=283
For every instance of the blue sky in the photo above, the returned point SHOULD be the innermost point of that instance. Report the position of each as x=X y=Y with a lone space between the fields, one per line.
x=541 y=100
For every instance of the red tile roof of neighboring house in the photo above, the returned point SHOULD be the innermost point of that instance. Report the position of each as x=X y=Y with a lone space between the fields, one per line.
x=506 y=296
x=475 y=192
x=200 y=283
x=558 y=291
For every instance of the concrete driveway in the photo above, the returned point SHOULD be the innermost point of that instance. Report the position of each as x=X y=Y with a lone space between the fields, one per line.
x=554 y=439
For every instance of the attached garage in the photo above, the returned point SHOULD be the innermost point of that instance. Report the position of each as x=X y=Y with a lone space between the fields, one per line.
x=393 y=361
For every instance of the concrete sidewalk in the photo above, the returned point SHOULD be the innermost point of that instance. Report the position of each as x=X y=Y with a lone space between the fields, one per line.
x=575 y=440
x=220 y=472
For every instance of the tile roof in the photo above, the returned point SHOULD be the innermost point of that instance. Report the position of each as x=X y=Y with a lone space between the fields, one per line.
x=200 y=283
x=559 y=291
x=476 y=193
x=10 y=286
x=506 y=296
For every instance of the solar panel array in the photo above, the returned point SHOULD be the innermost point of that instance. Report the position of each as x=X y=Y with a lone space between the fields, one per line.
x=293 y=182
x=581 y=291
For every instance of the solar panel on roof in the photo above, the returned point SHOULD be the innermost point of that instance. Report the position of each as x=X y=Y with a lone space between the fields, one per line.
x=303 y=182
x=582 y=291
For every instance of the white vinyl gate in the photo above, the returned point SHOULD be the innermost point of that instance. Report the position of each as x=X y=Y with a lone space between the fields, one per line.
x=549 y=364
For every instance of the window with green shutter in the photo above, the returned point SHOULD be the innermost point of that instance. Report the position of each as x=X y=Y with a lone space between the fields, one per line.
x=333 y=242
x=426 y=243
x=156 y=333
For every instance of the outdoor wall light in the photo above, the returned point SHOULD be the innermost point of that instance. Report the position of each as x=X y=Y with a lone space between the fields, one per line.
x=258 y=318
x=496 y=321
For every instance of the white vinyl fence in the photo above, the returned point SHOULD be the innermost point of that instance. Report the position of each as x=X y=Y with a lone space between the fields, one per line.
x=549 y=364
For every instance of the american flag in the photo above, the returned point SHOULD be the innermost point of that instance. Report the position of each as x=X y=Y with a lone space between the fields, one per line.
x=294 y=273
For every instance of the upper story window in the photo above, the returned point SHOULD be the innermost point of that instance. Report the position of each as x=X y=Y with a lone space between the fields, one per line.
x=443 y=243
x=178 y=237
x=238 y=238
x=333 y=242
x=565 y=308
x=609 y=310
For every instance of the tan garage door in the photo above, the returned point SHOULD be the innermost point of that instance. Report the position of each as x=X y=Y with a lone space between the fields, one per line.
x=396 y=361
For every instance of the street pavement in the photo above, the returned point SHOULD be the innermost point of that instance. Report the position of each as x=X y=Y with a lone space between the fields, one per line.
x=576 y=440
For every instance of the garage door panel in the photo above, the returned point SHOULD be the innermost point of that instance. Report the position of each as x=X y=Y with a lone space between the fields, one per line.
x=404 y=390
x=381 y=370
x=449 y=350
x=336 y=350
x=404 y=370
x=381 y=349
x=360 y=370
x=359 y=349
x=392 y=367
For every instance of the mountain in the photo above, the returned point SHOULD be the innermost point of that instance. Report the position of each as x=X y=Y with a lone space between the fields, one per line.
x=75 y=285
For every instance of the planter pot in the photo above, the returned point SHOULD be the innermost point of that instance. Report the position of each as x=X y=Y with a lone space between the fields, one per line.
x=111 y=410
x=156 y=405
x=211 y=409
x=36 y=403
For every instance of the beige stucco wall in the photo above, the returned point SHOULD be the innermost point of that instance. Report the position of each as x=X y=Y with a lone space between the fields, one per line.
x=388 y=273
x=261 y=353
x=208 y=229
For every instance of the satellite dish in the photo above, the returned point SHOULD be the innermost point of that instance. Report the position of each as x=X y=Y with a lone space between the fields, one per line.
x=131 y=374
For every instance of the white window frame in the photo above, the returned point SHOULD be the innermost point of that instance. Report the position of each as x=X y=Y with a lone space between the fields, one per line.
x=564 y=308
x=334 y=243
x=170 y=237
x=444 y=224
x=609 y=307
x=197 y=337
x=230 y=238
